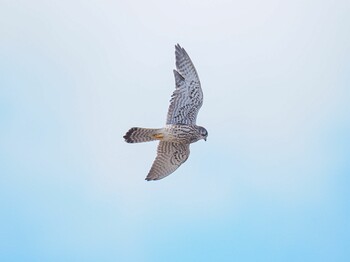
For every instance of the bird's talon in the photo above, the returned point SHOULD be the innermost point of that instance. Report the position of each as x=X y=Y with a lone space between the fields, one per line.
x=158 y=136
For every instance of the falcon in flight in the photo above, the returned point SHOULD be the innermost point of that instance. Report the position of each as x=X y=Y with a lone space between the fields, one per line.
x=180 y=129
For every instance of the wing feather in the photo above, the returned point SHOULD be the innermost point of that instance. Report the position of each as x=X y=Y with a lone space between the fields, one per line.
x=187 y=98
x=169 y=157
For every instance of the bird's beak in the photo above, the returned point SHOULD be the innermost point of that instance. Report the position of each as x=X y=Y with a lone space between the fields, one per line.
x=205 y=139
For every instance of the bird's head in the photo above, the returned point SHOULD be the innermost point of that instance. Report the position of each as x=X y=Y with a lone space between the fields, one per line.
x=203 y=132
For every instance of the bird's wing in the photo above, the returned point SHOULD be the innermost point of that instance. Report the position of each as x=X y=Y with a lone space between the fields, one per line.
x=187 y=98
x=169 y=157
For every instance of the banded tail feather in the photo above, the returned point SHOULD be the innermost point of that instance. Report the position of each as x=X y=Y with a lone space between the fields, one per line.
x=139 y=135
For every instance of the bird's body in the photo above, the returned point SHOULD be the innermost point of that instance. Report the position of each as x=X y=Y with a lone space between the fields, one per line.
x=180 y=129
x=171 y=133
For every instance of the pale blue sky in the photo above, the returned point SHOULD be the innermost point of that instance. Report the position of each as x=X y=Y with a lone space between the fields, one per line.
x=270 y=184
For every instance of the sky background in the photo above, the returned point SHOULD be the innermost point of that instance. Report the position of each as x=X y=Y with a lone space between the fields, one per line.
x=270 y=184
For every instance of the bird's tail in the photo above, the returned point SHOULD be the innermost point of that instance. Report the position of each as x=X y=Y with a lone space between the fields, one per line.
x=139 y=135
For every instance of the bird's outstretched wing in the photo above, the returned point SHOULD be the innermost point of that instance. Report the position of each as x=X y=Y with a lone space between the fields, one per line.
x=169 y=157
x=187 y=98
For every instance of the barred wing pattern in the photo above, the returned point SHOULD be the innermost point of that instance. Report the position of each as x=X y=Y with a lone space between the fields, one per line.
x=187 y=98
x=169 y=157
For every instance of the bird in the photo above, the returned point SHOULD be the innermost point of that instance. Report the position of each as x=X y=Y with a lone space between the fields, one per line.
x=180 y=129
